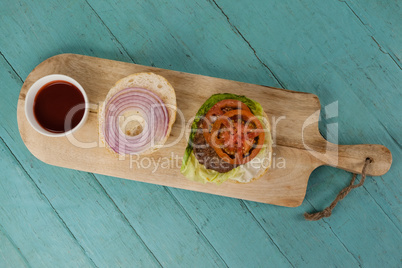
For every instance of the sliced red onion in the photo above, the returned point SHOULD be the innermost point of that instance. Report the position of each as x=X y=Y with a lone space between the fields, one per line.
x=149 y=106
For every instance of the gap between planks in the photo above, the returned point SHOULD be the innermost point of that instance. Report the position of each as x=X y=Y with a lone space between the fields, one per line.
x=44 y=197
x=5 y=233
x=198 y=229
x=133 y=60
x=243 y=203
x=111 y=33
x=337 y=237
x=126 y=220
x=237 y=31
x=372 y=36
x=180 y=206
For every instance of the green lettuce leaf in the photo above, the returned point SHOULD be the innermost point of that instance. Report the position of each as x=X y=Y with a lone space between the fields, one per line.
x=190 y=167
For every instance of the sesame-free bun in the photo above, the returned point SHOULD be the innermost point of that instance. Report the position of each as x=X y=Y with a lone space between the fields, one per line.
x=152 y=82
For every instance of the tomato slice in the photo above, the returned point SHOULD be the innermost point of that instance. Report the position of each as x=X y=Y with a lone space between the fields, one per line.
x=218 y=110
x=237 y=136
x=225 y=106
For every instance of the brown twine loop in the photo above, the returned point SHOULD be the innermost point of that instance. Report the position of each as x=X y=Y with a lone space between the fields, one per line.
x=344 y=192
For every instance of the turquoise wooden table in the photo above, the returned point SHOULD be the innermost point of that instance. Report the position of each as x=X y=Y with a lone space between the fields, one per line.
x=347 y=52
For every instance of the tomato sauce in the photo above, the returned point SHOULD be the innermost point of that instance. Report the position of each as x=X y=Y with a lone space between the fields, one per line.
x=53 y=103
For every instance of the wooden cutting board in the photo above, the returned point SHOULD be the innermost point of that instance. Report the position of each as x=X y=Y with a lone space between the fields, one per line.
x=298 y=148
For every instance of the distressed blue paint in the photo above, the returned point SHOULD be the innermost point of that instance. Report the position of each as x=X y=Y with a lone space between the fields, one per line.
x=383 y=22
x=342 y=51
x=331 y=55
x=10 y=254
x=31 y=222
x=95 y=225
x=101 y=226
x=225 y=233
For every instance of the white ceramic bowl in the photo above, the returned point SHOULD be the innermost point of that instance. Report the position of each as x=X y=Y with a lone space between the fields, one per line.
x=30 y=98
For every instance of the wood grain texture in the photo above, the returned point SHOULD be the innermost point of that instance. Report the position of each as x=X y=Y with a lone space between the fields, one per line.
x=162 y=211
x=96 y=212
x=311 y=46
x=40 y=229
x=335 y=57
x=94 y=219
x=382 y=22
x=9 y=253
x=297 y=140
x=365 y=82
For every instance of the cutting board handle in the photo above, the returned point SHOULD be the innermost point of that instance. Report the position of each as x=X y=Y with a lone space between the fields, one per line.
x=352 y=157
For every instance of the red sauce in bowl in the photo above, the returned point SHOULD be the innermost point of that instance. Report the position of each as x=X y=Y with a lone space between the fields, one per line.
x=53 y=103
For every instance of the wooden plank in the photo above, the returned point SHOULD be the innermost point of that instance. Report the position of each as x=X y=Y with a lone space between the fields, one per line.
x=156 y=214
x=305 y=59
x=348 y=60
x=81 y=201
x=230 y=231
x=233 y=64
x=383 y=23
x=360 y=222
x=236 y=226
x=293 y=140
x=77 y=199
x=28 y=216
x=41 y=30
x=316 y=240
x=122 y=248
x=189 y=37
x=306 y=82
x=338 y=61
x=10 y=254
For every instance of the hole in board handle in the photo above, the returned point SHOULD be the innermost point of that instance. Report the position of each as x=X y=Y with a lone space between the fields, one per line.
x=370 y=159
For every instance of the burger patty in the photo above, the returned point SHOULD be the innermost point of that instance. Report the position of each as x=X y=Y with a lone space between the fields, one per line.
x=207 y=156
